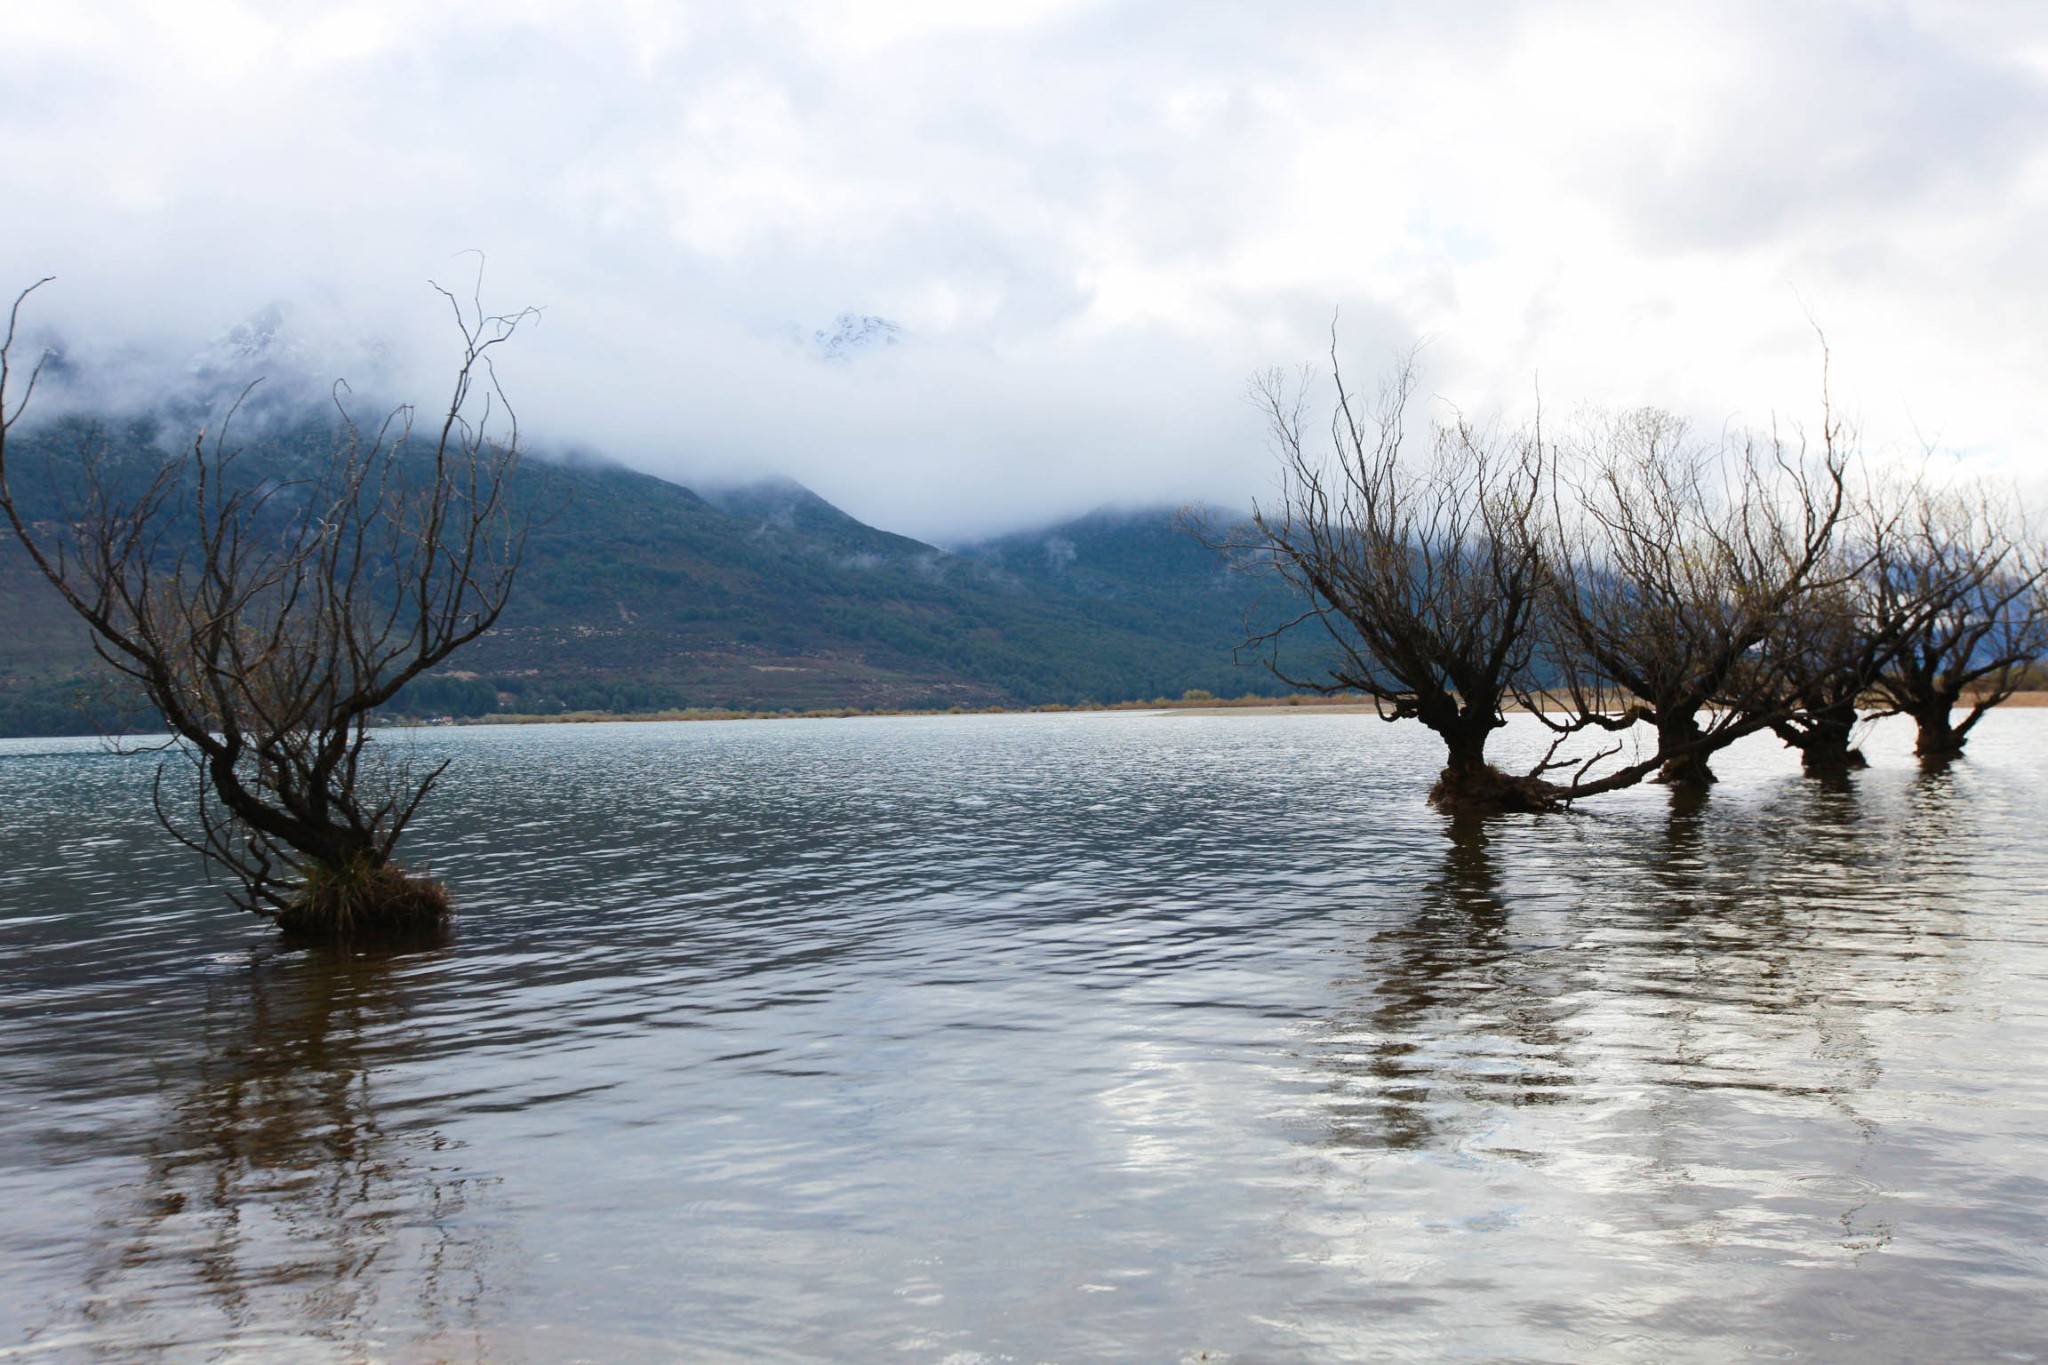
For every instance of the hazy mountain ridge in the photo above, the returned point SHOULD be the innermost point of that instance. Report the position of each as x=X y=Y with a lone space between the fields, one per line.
x=639 y=594
x=1111 y=552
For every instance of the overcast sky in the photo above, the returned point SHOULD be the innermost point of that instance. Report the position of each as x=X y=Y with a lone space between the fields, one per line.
x=1092 y=220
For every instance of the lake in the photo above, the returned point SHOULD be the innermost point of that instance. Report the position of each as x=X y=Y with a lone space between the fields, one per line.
x=1077 y=1037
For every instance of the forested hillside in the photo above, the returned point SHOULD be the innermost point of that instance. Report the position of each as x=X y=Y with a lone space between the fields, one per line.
x=638 y=594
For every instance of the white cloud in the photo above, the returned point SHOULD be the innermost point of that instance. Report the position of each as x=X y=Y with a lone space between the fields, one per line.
x=1095 y=218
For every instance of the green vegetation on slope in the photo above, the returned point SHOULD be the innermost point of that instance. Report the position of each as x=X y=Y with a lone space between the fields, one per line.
x=638 y=594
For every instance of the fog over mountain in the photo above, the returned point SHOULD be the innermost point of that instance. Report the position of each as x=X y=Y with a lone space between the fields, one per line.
x=963 y=268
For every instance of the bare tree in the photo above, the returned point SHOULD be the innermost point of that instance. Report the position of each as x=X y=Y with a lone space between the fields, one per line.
x=1675 y=561
x=1968 y=554
x=1425 y=579
x=1832 y=647
x=268 y=619
x=1828 y=652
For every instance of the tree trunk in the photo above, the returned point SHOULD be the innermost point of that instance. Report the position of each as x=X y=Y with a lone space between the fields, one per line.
x=1677 y=735
x=1824 y=747
x=1938 y=741
x=1470 y=786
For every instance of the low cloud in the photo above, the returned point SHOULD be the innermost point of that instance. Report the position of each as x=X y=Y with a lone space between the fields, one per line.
x=1091 y=221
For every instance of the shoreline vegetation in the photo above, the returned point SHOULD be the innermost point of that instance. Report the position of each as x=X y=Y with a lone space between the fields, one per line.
x=1204 y=704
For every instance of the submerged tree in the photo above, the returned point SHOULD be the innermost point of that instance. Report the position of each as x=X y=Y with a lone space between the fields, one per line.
x=1426 y=587
x=1676 y=561
x=1986 y=625
x=267 y=620
x=1832 y=648
x=1830 y=652
x=1633 y=581
x=1427 y=579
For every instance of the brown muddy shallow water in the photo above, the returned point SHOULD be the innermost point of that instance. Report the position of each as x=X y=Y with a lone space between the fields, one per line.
x=1044 y=1038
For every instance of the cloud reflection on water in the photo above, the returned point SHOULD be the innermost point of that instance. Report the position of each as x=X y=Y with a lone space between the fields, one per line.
x=1195 y=1033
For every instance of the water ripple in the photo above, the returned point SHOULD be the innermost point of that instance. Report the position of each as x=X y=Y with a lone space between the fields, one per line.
x=1043 y=1038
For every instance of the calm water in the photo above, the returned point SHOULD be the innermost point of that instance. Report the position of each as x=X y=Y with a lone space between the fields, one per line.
x=1046 y=1038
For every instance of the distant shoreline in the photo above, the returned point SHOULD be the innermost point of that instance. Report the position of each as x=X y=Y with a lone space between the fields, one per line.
x=1213 y=706
x=1216 y=705
x=1203 y=706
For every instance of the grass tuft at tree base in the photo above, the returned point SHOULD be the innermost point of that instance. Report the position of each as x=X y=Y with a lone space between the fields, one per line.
x=367 y=905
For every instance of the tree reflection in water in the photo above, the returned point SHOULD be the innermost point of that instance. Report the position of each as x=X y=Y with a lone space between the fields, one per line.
x=1589 y=1048
x=1454 y=1011
x=284 y=1200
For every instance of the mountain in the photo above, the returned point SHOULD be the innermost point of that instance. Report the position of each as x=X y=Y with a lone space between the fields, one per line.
x=639 y=594
x=852 y=335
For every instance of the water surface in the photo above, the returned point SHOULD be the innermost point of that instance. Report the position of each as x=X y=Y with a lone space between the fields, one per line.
x=1043 y=1038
